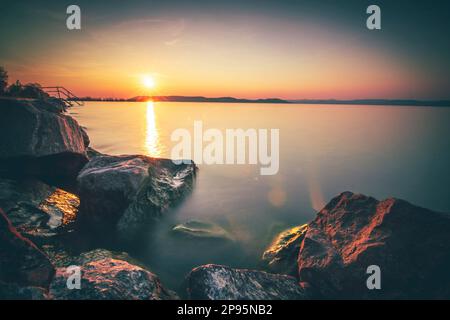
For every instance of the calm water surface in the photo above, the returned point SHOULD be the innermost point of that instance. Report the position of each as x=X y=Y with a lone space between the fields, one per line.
x=381 y=151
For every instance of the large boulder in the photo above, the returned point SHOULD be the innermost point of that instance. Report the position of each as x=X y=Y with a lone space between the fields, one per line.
x=36 y=209
x=410 y=245
x=215 y=282
x=110 y=279
x=282 y=254
x=21 y=262
x=37 y=139
x=127 y=193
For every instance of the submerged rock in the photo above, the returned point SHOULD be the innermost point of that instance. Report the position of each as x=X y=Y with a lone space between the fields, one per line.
x=110 y=279
x=21 y=262
x=281 y=256
x=411 y=246
x=215 y=282
x=36 y=209
x=198 y=230
x=127 y=193
x=36 y=139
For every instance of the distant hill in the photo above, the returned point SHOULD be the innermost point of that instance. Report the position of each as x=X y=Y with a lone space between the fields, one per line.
x=385 y=102
x=205 y=99
x=431 y=103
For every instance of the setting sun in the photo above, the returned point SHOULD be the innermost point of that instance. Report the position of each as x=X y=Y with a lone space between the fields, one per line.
x=148 y=82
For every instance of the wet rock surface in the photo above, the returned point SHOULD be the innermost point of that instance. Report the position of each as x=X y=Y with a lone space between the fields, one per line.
x=21 y=261
x=37 y=139
x=30 y=129
x=215 y=282
x=40 y=148
x=110 y=279
x=411 y=245
x=60 y=257
x=127 y=193
x=281 y=256
x=36 y=209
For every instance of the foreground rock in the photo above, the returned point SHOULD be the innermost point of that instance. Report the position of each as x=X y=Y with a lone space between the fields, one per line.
x=62 y=258
x=215 y=282
x=36 y=209
x=200 y=230
x=110 y=279
x=21 y=262
x=282 y=254
x=411 y=245
x=36 y=139
x=127 y=193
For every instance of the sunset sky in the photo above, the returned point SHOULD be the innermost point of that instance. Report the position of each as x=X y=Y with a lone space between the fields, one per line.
x=250 y=49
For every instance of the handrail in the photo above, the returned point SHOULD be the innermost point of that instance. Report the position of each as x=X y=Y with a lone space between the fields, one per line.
x=67 y=96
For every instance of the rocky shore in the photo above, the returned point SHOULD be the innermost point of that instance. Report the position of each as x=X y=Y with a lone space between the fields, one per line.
x=56 y=192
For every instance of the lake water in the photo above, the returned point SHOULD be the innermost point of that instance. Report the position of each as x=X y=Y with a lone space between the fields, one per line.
x=380 y=151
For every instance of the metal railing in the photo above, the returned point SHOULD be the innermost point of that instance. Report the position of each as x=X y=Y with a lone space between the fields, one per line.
x=63 y=94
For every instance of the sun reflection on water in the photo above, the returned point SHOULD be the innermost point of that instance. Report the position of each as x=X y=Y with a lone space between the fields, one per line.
x=152 y=144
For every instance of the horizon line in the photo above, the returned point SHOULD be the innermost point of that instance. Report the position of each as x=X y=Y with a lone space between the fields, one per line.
x=198 y=98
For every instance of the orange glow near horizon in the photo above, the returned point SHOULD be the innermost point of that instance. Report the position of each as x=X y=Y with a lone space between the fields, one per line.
x=205 y=58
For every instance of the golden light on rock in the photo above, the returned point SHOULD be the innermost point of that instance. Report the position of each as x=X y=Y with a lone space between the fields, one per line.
x=66 y=202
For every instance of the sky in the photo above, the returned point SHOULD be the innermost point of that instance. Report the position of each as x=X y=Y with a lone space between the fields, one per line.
x=250 y=49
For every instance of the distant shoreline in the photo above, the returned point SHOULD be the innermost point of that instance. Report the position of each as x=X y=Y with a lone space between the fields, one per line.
x=206 y=99
x=379 y=102
x=383 y=102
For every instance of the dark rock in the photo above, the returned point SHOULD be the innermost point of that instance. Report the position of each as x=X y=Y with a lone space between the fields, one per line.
x=21 y=262
x=62 y=258
x=107 y=185
x=86 y=139
x=411 y=245
x=198 y=230
x=36 y=209
x=281 y=256
x=215 y=282
x=59 y=254
x=51 y=105
x=92 y=153
x=100 y=254
x=37 y=140
x=10 y=291
x=110 y=279
x=127 y=193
